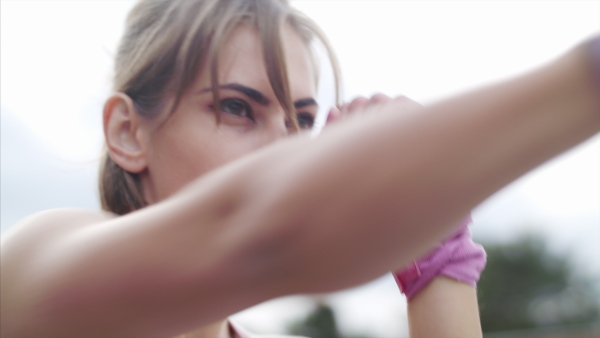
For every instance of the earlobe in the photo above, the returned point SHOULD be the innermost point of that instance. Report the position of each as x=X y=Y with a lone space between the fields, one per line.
x=122 y=133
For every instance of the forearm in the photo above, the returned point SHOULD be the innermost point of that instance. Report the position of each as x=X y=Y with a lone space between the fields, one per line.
x=444 y=308
x=373 y=181
x=362 y=199
x=364 y=192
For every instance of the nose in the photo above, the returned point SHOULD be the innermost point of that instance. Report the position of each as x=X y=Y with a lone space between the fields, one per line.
x=276 y=129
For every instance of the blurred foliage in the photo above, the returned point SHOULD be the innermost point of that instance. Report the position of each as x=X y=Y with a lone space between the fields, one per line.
x=525 y=286
x=320 y=323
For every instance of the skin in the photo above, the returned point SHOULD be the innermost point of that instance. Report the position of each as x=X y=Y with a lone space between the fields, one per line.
x=171 y=151
x=444 y=307
x=246 y=232
x=192 y=142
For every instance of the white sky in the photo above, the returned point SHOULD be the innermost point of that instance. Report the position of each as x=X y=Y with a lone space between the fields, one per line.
x=56 y=59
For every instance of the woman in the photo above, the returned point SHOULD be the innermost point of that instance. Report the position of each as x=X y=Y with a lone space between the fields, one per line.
x=205 y=217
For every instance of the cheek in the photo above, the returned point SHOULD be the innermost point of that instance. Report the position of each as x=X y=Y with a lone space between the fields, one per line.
x=226 y=147
x=174 y=168
x=176 y=156
x=178 y=160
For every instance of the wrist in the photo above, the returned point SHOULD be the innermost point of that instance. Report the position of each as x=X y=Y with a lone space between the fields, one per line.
x=457 y=257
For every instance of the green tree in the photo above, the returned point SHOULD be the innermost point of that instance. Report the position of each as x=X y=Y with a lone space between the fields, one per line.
x=318 y=324
x=525 y=286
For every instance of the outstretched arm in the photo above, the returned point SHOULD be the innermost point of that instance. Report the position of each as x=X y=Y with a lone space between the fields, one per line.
x=302 y=215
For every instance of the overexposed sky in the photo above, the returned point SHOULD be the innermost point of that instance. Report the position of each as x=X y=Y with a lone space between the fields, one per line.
x=56 y=59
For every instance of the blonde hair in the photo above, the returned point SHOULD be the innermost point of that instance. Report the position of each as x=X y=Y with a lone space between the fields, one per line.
x=165 y=44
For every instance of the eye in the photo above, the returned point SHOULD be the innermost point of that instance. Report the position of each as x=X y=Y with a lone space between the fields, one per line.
x=305 y=120
x=237 y=107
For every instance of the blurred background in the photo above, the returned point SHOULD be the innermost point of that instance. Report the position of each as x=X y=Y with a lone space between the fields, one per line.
x=542 y=232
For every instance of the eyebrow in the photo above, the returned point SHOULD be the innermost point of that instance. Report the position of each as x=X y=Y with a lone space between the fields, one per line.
x=258 y=97
x=305 y=102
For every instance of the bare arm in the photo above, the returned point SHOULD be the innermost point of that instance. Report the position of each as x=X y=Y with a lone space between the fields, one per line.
x=444 y=308
x=303 y=215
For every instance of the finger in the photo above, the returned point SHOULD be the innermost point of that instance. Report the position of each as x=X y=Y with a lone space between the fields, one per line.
x=379 y=98
x=377 y=101
x=334 y=115
x=343 y=108
x=358 y=103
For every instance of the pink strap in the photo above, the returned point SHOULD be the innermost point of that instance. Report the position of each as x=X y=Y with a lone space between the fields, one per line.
x=457 y=257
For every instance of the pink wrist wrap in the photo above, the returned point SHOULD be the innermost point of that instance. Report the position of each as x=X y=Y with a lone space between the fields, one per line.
x=457 y=257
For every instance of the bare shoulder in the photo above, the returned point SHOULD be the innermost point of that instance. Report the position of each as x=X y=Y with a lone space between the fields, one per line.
x=47 y=225
x=24 y=245
x=28 y=238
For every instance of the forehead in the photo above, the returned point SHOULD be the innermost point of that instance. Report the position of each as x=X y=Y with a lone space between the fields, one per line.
x=241 y=60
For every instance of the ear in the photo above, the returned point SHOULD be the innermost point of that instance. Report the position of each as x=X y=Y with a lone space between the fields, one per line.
x=123 y=134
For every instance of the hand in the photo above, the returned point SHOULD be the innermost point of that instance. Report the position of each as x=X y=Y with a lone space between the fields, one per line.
x=377 y=104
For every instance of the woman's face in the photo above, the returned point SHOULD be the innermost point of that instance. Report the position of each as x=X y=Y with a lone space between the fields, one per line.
x=194 y=140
